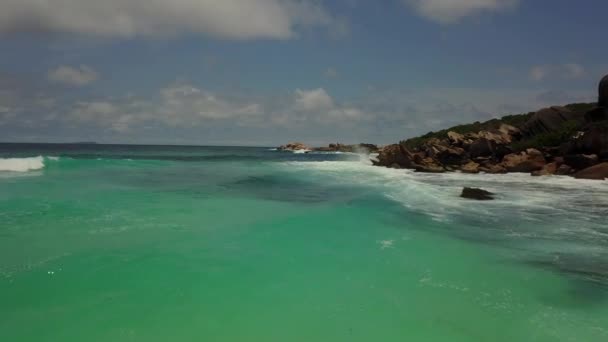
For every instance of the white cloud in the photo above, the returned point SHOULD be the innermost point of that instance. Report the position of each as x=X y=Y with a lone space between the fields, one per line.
x=184 y=103
x=318 y=106
x=452 y=11
x=568 y=71
x=313 y=100
x=179 y=105
x=74 y=76
x=232 y=19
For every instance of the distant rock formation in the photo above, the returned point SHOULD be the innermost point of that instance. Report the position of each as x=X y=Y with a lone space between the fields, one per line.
x=294 y=146
x=356 y=148
x=570 y=140
x=337 y=147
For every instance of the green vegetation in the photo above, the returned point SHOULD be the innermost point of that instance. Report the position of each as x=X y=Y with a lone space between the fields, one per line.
x=517 y=120
x=513 y=120
x=551 y=139
x=581 y=107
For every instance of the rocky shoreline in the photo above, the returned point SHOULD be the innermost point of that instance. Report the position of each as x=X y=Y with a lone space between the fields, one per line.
x=571 y=140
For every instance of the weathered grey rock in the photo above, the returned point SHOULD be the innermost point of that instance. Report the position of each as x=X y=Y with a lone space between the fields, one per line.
x=597 y=172
x=477 y=194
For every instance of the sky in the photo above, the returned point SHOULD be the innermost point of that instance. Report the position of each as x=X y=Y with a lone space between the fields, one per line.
x=265 y=72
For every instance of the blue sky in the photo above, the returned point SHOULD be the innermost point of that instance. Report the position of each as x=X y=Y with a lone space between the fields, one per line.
x=263 y=72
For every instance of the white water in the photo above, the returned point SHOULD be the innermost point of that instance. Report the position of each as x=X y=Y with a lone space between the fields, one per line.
x=21 y=164
x=554 y=220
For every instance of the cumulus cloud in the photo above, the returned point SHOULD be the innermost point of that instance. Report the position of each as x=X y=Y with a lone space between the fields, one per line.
x=313 y=100
x=185 y=105
x=184 y=112
x=452 y=11
x=231 y=19
x=568 y=71
x=73 y=76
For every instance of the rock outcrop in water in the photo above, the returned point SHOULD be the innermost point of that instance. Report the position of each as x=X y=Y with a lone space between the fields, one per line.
x=477 y=194
x=293 y=146
x=356 y=148
x=568 y=140
x=337 y=147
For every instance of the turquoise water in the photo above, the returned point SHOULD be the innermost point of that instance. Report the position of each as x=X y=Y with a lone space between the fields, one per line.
x=119 y=243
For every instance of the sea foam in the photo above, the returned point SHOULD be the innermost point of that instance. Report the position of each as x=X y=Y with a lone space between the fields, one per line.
x=21 y=164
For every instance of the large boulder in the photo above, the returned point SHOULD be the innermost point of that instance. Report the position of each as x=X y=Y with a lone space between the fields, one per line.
x=481 y=148
x=456 y=139
x=598 y=172
x=470 y=167
x=593 y=140
x=602 y=100
x=395 y=155
x=580 y=161
x=493 y=169
x=547 y=170
x=449 y=155
x=564 y=170
x=494 y=143
x=526 y=161
x=477 y=194
x=428 y=165
x=550 y=120
x=509 y=130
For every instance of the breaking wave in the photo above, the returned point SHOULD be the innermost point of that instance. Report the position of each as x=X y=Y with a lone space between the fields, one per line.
x=22 y=164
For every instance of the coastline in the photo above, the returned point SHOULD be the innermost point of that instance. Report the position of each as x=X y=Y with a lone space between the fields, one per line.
x=567 y=141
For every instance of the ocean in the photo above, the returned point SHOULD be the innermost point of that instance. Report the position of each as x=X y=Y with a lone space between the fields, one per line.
x=184 y=243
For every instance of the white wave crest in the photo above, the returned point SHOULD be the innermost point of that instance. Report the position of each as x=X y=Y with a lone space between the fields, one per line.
x=521 y=195
x=21 y=164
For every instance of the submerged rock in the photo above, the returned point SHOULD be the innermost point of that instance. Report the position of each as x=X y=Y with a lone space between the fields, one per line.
x=476 y=194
